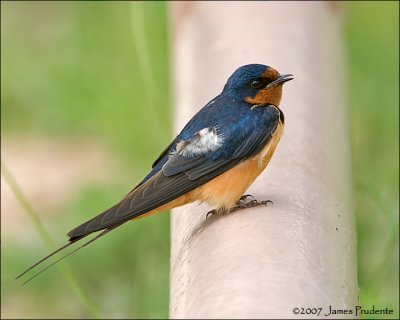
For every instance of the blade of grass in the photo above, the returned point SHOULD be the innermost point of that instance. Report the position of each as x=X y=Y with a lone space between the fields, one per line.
x=144 y=65
x=83 y=296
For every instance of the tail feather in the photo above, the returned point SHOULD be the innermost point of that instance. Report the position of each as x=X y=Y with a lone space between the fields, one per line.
x=48 y=256
x=104 y=232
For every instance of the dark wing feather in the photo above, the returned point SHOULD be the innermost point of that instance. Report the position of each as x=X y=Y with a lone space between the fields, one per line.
x=178 y=164
x=163 y=154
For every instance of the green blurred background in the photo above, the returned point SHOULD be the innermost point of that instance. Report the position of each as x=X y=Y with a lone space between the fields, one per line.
x=75 y=71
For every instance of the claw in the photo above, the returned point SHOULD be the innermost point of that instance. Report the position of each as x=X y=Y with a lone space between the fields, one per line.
x=211 y=213
x=245 y=196
x=266 y=202
x=242 y=201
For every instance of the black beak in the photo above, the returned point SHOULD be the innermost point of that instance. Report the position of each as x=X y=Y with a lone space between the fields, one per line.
x=281 y=79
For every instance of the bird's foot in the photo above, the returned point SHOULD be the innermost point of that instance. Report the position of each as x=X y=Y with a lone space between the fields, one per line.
x=243 y=203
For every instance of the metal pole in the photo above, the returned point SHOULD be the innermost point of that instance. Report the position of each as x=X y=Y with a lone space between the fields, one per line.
x=299 y=252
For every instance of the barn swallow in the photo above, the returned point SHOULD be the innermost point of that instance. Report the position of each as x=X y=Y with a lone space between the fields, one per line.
x=214 y=159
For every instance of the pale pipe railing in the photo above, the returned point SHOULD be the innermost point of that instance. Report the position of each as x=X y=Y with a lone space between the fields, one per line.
x=299 y=252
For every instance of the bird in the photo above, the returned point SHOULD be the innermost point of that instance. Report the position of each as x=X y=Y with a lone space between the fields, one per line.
x=214 y=159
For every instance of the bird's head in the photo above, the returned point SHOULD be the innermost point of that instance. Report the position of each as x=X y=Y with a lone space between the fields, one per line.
x=256 y=84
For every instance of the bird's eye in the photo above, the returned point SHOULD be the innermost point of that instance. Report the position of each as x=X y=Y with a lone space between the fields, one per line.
x=255 y=84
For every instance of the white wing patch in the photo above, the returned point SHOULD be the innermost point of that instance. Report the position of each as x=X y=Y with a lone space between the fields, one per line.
x=210 y=103
x=203 y=141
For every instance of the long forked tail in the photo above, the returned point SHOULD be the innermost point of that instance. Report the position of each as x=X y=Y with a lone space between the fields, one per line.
x=104 y=232
x=93 y=225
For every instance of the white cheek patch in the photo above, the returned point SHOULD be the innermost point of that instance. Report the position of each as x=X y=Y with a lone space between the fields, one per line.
x=205 y=140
